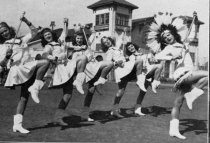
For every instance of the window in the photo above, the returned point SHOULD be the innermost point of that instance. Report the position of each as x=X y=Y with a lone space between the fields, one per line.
x=97 y=19
x=102 y=19
x=122 y=20
x=192 y=56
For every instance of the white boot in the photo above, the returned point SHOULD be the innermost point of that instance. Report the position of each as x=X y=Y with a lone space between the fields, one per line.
x=155 y=84
x=78 y=82
x=174 y=129
x=90 y=119
x=101 y=80
x=141 y=81
x=17 y=127
x=192 y=95
x=34 y=90
x=138 y=112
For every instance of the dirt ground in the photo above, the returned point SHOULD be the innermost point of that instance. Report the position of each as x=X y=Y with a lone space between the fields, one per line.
x=152 y=128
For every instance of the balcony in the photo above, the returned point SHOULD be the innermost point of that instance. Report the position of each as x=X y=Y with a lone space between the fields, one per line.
x=101 y=27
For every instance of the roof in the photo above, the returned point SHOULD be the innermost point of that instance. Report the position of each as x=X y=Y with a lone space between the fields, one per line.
x=141 y=20
x=189 y=19
x=111 y=2
x=150 y=19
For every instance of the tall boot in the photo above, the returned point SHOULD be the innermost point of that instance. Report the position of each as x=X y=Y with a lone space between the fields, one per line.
x=139 y=112
x=86 y=112
x=155 y=85
x=192 y=95
x=101 y=80
x=174 y=129
x=34 y=90
x=141 y=81
x=78 y=82
x=17 y=127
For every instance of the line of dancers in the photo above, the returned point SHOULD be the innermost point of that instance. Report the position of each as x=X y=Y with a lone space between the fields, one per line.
x=74 y=64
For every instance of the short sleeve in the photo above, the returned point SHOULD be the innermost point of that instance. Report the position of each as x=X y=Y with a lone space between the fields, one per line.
x=47 y=51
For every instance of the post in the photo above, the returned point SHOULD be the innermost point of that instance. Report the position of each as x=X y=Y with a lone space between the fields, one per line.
x=52 y=25
x=196 y=38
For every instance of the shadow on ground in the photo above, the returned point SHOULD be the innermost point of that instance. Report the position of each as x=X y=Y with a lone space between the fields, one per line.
x=197 y=126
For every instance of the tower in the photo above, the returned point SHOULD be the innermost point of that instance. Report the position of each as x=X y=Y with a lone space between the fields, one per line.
x=111 y=17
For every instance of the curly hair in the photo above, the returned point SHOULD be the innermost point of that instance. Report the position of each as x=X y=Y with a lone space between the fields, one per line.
x=103 y=46
x=173 y=31
x=11 y=30
x=74 y=42
x=43 y=41
x=127 y=52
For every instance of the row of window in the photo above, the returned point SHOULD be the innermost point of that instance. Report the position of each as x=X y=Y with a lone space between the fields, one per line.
x=103 y=19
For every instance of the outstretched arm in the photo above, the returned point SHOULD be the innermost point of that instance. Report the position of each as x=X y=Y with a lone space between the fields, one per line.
x=33 y=32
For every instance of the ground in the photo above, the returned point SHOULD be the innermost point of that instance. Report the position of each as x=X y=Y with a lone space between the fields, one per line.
x=152 y=128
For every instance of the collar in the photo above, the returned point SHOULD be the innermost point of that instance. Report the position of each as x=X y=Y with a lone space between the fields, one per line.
x=53 y=43
x=113 y=48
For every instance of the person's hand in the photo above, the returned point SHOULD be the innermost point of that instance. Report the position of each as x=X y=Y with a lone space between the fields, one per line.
x=9 y=53
x=125 y=29
x=152 y=59
x=176 y=57
x=119 y=63
x=66 y=20
x=84 y=47
x=181 y=80
x=178 y=83
x=24 y=19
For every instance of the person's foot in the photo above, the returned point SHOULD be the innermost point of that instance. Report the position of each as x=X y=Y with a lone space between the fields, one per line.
x=34 y=94
x=100 y=81
x=116 y=114
x=78 y=87
x=141 y=86
x=155 y=85
x=139 y=112
x=58 y=117
x=90 y=119
x=60 y=121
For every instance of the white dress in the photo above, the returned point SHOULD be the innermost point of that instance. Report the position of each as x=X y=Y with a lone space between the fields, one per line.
x=23 y=65
x=115 y=54
x=146 y=63
x=92 y=67
x=184 y=64
x=65 y=68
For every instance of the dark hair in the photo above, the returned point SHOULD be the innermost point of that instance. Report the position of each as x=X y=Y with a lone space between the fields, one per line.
x=43 y=41
x=11 y=30
x=104 y=47
x=74 y=42
x=173 y=31
x=127 y=52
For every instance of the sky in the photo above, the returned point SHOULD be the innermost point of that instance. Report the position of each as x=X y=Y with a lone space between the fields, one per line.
x=42 y=12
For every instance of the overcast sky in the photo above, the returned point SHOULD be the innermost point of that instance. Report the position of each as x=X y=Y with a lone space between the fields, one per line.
x=41 y=12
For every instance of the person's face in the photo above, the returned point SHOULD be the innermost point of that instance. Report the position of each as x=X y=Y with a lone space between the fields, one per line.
x=4 y=32
x=106 y=42
x=79 y=39
x=168 y=38
x=131 y=48
x=48 y=36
